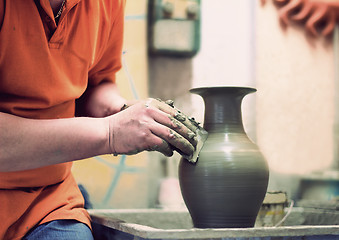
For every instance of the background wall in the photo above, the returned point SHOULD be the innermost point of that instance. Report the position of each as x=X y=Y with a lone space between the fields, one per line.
x=292 y=117
x=296 y=105
x=123 y=182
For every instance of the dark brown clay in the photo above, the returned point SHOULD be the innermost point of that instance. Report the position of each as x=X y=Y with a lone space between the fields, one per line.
x=227 y=185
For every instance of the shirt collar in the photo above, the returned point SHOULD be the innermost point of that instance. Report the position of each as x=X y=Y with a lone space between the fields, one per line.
x=47 y=6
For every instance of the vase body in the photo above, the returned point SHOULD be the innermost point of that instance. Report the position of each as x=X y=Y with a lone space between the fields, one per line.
x=227 y=185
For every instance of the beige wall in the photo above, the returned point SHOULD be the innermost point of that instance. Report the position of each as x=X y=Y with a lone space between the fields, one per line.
x=113 y=182
x=295 y=99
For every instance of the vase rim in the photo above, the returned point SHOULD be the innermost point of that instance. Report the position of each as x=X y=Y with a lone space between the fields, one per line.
x=222 y=89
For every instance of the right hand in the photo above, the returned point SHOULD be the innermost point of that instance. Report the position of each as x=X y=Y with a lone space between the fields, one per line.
x=151 y=125
x=320 y=16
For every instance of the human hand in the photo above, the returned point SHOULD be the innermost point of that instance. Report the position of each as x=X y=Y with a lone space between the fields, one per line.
x=323 y=15
x=289 y=6
x=320 y=16
x=263 y=2
x=151 y=125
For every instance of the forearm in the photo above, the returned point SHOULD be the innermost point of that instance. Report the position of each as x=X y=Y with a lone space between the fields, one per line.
x=100 y=101
x=27 y=143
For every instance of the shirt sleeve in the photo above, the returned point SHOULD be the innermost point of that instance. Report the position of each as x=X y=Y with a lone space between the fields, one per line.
x=110 y=62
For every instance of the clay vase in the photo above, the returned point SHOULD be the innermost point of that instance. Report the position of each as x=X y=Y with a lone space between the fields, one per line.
x=227 y=185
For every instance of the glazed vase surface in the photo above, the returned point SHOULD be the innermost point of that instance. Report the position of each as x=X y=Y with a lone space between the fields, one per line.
x=227 y=185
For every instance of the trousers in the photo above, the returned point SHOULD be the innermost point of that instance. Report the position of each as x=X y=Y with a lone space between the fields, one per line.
x=61 y=230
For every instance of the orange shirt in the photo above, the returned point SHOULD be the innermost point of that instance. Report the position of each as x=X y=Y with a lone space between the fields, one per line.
x=44 y=68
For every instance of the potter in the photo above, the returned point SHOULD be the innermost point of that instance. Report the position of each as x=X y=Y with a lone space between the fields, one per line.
x=227 y=185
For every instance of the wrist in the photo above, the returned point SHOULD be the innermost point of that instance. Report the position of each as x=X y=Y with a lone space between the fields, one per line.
x=109 y=146
x=97 y=135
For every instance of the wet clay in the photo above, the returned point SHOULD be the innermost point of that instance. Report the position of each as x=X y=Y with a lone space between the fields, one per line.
x=227 y=185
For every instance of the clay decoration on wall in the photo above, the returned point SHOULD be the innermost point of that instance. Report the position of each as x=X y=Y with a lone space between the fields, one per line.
x=318 y=16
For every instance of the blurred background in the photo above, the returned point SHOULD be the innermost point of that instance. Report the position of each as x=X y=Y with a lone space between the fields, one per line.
x=293 y=117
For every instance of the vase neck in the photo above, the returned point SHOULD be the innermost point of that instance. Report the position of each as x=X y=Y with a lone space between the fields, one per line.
x=223 y=108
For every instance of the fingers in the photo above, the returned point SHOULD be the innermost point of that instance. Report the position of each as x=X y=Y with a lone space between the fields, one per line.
x=316 y=17
x=172 y=131
x=178 y=121
x=281 y=1
x=328 y=29
x=168 y=107
x=164 y=148
x=183 y=130
x=263 y=2
x=173 y=138
x=304 y=13
x=180 y=131
x=286 y=11
x=170 y=140
x=319 y=16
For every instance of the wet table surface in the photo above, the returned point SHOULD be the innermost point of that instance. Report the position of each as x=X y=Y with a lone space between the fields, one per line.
x=140 y=224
